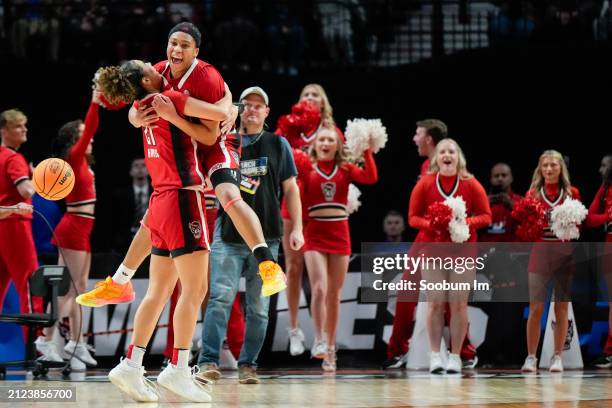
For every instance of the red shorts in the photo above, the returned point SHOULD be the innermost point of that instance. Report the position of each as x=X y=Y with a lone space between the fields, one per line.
x=73 y=232
x=332 y=237
x=224 y=154
x=177 y=222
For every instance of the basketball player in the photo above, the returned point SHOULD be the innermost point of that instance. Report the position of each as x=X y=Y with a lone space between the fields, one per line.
x=185 y=73
x=327 y=238
x=176 y=223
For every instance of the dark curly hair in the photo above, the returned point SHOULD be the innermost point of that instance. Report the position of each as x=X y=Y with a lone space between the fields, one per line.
x=121 y=83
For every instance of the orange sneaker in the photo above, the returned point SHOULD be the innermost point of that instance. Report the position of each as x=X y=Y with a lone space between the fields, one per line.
x=107 y=292
x=273 y=278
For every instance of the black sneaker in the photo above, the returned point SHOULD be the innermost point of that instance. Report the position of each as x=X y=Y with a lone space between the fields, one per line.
x=470 y=363
x=603 y=362
x=395 y=362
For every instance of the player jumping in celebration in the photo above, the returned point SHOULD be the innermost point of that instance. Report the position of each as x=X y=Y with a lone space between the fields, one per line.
x=185 y=73
x=177 y=227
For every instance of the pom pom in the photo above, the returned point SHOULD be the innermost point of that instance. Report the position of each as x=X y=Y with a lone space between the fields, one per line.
x=439 y=216
x=565 y=219
x=531 y=218
x=363 y=134
x=457 y=227
x=353 y=199
x=304 y=119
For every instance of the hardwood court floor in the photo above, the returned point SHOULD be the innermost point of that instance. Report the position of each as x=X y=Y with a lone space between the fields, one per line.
x=359 y=388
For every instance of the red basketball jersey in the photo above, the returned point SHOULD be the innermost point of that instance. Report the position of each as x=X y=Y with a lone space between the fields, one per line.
x=171 y=156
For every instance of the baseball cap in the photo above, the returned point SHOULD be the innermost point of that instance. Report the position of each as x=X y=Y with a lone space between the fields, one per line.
x=257 y=91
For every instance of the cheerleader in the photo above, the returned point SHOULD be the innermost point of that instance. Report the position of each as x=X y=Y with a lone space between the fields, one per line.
x=448 y=178
x=551 y=186
x=600 y=214
x=327 y=238
x=294 y=260
x=72 y=234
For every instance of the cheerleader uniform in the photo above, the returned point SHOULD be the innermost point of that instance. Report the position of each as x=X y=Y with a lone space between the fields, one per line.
x=549 y=259
x=74 y=230
x=326 y=186
x=433 y=188
x=598 y=216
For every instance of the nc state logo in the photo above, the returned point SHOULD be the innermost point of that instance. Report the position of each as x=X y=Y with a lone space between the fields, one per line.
x=570 y=333
x=196 y=229
x=329 y=190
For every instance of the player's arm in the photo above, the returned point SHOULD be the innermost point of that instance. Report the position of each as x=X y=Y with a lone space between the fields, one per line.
x=142 y=116
x=165 y=108
x=21 y=208
x=25 y=189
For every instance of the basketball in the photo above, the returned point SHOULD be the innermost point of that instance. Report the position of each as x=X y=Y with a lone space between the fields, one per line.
x=53 y=179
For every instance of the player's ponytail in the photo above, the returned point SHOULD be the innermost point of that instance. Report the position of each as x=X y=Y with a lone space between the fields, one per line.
x=121 y=84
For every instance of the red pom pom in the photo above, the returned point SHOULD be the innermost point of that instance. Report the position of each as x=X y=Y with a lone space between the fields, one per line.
x=531 y=218
x=439 y=216
x=111 y=106
x=303 y=119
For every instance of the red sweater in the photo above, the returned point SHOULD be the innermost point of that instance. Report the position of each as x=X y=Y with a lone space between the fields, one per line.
x=432 y=188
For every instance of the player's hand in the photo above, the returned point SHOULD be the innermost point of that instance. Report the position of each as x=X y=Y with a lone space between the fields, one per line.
x=164 y=107
x=145 y=117
x=95 y=98
x=228 y=124
x=22 y=209
x=296 y=239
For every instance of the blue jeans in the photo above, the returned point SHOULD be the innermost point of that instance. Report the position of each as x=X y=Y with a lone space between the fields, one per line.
x=229 y=261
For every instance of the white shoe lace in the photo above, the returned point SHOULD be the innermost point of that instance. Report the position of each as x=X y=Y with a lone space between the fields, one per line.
x=202 y=382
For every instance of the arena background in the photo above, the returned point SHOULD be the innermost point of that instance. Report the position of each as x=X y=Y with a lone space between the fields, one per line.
x=507 y=101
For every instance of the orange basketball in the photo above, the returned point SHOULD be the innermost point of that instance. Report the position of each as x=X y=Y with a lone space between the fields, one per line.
x=53 y=179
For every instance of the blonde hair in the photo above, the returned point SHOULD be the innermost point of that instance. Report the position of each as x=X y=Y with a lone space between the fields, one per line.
x=327 y=112
x=537 y=181
x=461 y=164
x=341 y=156
x=10 y=117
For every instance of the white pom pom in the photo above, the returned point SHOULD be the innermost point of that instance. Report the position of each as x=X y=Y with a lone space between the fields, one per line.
x=353 y=199
x=565 y=219
x=378 y=135
x=458 y=228
x=357 y=137
x=362 y=134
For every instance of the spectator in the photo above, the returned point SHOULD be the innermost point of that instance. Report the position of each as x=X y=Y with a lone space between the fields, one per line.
x=394 y=226
x=337 y=19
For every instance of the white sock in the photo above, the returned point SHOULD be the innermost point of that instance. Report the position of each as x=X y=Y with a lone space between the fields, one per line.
x=123 y=274
x=136 y=355
x=181 y=358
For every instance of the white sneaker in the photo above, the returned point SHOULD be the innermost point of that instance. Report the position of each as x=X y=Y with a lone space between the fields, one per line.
x=435 y=363
x=81 y=351
x=530 y=365
x=556 y=364
x=319 y=349
x=226 y=358
x=296 y=342
x=48 y=350
x=183 y=382
x=454 y=364
x=132 y=381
